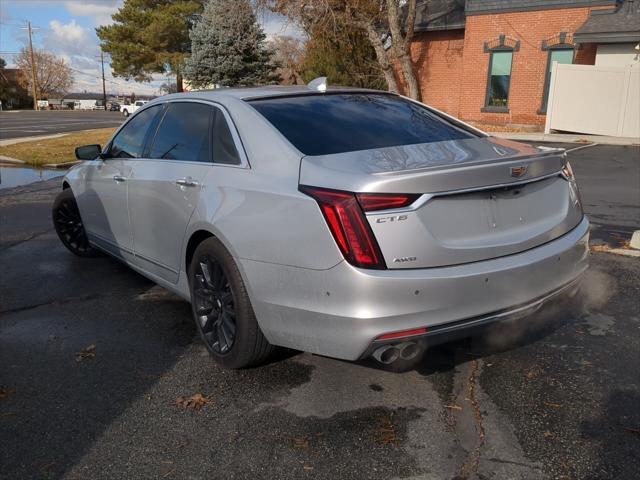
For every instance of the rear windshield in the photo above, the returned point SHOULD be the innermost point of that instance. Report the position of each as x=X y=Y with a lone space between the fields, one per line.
x=337 y=123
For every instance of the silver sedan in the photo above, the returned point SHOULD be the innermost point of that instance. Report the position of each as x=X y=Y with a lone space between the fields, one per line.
x=348 y=223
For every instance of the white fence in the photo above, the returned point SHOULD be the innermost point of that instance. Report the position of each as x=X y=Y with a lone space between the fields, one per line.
x=594 y=99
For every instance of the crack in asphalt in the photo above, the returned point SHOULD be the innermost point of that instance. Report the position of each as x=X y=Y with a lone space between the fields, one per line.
x=25 y=239
x=62 y=301
x=471 y=384
x=468 y=423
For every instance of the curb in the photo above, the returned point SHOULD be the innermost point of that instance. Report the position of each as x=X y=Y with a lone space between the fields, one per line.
x=11 y=160
x=13 y=141
x=60 y=165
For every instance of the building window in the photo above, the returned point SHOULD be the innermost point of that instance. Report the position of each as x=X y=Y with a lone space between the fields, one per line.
x=561 y=54
x=499 y=80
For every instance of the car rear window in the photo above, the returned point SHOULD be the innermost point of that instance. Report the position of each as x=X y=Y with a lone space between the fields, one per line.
x=335 y=123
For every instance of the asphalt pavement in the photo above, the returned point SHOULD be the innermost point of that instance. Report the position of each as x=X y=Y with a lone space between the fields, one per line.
x=29 y=123
x=556 y=400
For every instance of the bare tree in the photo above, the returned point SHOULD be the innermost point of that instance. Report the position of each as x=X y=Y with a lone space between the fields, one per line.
x=53 y=75
x=388 y=24
x=288 y=53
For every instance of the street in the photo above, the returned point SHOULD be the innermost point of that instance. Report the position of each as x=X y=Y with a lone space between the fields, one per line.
x=555 y=400
x=29 y=123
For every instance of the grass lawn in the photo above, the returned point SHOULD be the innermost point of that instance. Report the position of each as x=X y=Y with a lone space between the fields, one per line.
x=56 y=150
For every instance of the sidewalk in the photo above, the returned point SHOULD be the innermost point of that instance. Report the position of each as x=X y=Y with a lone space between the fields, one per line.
x=13 y=141
x=567 y=138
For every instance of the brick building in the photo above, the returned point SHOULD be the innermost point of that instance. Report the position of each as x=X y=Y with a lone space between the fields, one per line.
x=488 y=61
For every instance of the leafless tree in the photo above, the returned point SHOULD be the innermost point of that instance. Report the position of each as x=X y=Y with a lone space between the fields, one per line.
x=288 y=53
x=53 y=75
x=388 y=24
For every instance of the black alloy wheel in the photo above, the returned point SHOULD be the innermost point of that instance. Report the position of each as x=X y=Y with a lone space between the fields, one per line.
x=68 y=225
x=222 y=308
x=214 y=305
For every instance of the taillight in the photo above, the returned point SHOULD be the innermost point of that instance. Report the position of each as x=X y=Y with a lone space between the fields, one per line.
x=384 y=201
x=348 y=226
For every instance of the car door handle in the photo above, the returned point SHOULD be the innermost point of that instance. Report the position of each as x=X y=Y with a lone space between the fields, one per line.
x=119 y=178
x=186 y=182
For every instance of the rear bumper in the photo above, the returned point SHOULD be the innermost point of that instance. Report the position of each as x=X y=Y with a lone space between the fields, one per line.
x=474 y=326
x=339 y=312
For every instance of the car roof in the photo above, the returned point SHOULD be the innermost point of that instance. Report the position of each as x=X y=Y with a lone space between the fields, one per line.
x=254 y=93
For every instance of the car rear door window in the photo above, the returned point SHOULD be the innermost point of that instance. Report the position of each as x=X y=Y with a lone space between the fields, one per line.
x=130 y=141
x=224 y=148
x=322 y=124
x=184 y=133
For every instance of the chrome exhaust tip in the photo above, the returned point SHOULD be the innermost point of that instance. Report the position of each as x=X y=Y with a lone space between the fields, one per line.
x=386 y=354
x=409 y=350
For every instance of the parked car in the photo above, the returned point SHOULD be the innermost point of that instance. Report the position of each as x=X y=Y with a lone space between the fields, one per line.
x=132 y=107
x=348 y=223
x=114 y=107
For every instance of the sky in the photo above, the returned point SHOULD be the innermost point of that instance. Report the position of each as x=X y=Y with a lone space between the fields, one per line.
x=67 y=29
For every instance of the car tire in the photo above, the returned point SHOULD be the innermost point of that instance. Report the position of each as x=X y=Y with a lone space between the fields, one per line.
x=69 y=227
x=125 y=113
x=222 y=309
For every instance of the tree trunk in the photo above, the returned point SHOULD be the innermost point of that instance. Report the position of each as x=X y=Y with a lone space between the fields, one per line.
x=179 y=86
x=401 y=43
x=409 y=75
x=383 y=60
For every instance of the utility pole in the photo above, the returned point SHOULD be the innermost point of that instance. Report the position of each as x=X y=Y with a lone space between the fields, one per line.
x=34 y=78
x=104 y=89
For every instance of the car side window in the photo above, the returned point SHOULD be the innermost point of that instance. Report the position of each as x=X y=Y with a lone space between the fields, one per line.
x=183 y=133
x=129 y=143
x=224 y=148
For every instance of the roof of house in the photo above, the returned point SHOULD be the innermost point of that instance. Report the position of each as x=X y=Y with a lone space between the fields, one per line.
x=483 y=7
x=617 y=25
x=439 y=15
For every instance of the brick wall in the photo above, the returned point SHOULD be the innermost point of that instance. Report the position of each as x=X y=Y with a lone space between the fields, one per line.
x=452 y=65
x=438 y=60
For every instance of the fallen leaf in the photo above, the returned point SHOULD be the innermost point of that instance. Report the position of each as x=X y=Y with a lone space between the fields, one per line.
x=386 y=432
x=548 y=434
x=453 y=407
x=552 y=405
x=5 y=392
x=534 y=373
x=301 y=443
x=307 y=467
x=194 y=402
x=87 y=353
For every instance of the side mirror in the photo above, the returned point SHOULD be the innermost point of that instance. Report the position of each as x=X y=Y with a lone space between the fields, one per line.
x=88 y=152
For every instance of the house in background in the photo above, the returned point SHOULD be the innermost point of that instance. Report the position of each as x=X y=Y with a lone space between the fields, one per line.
x=13 y=94
x=489 y=61
x=616 y=34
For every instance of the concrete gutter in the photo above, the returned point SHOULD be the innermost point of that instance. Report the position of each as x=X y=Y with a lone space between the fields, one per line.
x=567 y=138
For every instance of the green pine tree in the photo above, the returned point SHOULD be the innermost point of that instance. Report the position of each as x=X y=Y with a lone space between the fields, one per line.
x=149 y=36
x=228 y=47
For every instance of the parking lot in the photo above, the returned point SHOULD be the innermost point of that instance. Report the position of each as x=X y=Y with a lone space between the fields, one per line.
x=28 y=123
x=558 y=400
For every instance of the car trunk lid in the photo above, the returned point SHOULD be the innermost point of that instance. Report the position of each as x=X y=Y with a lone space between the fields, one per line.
x=481 y=198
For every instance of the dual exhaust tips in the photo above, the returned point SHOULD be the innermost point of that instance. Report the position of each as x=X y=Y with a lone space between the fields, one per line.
x=387 y=354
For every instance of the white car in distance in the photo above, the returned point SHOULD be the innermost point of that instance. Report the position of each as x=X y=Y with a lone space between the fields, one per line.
x=132 y=107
